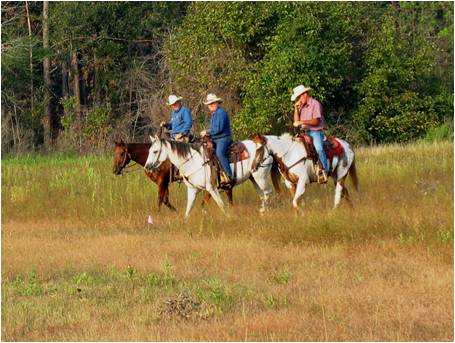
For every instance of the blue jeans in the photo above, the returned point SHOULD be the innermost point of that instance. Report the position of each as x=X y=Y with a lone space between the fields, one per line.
x=222 y=146
x=318 y=141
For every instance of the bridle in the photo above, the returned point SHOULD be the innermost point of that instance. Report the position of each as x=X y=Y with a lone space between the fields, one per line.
x=157 y=162
x=124 y=167
x=261 y=157
x=276 y=157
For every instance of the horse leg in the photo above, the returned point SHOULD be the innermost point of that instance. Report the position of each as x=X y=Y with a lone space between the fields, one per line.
x=217 y=197
x=166 y=199
x=299 y=190
x=338 y=192
x=229 y=196
x=344 y=193
x=161 y=195
x=206 y=198
x=292 y=188
x=263 y=188
x=191 y=196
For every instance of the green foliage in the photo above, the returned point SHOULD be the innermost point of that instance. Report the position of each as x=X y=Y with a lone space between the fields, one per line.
x=97 y=118
x=281 y=276
x=439 y=133
x=69 y=106
x=382 y=71
x=400 y=99
x=28 y=286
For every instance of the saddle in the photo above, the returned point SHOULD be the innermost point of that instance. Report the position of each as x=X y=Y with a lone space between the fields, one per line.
x=237 y=152
x=332 y=147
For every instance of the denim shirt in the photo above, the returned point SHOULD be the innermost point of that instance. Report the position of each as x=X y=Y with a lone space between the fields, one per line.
x=181 y=122
x=219 y=124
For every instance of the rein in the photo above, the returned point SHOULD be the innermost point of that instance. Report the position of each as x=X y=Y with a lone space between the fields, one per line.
x=127 y=168
x=283 y=167
x=178 y=167
x=260 y=163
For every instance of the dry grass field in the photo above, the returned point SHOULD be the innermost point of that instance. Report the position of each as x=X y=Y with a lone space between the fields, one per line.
x=80 y=262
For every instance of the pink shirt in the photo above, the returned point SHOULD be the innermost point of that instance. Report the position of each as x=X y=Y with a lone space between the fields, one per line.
x=312 y=109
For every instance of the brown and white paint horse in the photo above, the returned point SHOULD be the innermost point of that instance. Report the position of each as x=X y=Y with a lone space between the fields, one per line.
x=298 y=171
x=124 y=153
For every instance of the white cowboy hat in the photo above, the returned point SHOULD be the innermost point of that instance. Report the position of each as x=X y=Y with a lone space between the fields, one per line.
x=299 y=90
x=211 y=98
x=173 y=99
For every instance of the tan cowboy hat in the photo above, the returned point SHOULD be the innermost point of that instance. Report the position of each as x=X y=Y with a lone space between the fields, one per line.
x=173 y=99
x=211 y=98
x=299 y=90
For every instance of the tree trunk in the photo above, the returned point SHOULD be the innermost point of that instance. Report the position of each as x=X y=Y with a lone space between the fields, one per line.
x=32 y=95
x=77 y=90
x=96 y=86
x=47 y=119
x=65 y=90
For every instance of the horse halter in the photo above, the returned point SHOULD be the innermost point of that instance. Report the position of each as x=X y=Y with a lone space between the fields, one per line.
x=157 y=162
x=261 y=157
x=124 y=167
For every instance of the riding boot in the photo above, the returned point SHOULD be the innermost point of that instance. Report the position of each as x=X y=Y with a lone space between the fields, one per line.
x=322 y=176
x=226 y=182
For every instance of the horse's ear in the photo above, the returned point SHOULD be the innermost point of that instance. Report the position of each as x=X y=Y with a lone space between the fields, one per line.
x=151 y=138
x=119 y=142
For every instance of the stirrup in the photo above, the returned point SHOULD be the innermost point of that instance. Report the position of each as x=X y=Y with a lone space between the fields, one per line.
x=322 y=177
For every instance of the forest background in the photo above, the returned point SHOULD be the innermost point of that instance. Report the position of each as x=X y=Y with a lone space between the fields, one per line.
x=77 y=75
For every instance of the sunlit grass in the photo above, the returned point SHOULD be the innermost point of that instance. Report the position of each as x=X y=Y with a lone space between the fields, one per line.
x=80 y=261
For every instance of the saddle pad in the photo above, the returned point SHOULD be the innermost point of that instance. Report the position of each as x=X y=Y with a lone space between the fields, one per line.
x=332 y=147
x=238 y=152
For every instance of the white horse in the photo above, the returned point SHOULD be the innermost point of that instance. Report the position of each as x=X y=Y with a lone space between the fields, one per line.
x=196 y=172
x=298 y=171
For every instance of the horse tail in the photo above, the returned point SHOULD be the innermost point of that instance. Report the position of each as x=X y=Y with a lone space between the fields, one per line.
x=275 y=173
x=353 y=175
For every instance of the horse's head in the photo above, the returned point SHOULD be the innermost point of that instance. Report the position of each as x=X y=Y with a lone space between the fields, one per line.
x=260 y=155
x=157 y=154
x=121 y=157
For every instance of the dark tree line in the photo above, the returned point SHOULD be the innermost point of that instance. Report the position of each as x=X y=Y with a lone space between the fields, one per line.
x=77 y=74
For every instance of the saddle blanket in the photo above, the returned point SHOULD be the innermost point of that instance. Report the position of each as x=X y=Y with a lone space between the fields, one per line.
x=332 y=147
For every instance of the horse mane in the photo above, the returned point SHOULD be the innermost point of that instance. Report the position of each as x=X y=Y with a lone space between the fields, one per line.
x=182 y=149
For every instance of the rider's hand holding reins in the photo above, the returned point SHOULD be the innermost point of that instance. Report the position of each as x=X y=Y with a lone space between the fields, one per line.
x=203 y=133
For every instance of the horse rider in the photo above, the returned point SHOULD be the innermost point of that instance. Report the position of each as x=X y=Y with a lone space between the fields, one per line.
x=309 y=116
x=220 y=132
x=181 y=119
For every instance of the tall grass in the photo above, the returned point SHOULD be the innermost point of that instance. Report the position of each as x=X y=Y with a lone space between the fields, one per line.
x=80 y=261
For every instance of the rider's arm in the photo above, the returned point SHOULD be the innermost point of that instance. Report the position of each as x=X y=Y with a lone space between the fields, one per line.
x=311 y=122
x=296 y=113
x=187 y=122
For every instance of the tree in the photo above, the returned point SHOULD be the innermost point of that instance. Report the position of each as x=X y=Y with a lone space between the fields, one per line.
x=47 y=115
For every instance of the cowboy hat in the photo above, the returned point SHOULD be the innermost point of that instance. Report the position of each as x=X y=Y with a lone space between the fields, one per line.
x=211 y=98
x=173 y=99
x=299 y=90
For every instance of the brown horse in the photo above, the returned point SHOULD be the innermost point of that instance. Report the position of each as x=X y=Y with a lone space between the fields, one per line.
x=124 y=153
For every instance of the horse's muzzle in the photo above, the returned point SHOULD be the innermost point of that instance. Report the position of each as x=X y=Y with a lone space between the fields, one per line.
x=117 y=170
x=150 y=167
